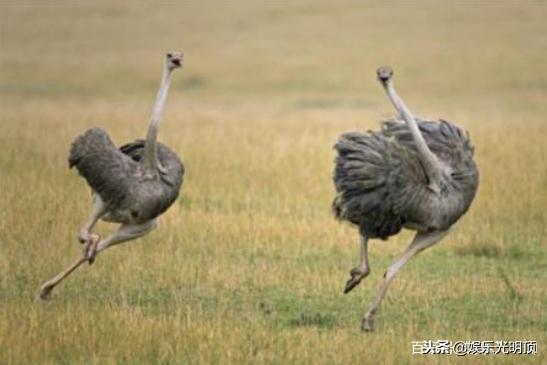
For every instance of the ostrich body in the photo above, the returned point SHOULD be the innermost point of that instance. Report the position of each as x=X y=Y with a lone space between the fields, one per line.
x=412 y=174
x=131 y=185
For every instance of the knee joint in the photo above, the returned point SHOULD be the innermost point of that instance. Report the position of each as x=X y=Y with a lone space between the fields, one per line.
x=389 y=274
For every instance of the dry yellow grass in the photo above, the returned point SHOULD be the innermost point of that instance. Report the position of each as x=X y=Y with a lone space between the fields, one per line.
x=248 y=266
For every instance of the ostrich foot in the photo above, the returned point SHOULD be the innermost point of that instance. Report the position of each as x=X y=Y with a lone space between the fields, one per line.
x=85 y=236
x=367 y=324
x=90 y=249
x=45 y=291
x=357 y=274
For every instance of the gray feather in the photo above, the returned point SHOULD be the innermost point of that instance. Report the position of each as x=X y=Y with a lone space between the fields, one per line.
x=382 y=186
x=117 y=176
x=107 y=171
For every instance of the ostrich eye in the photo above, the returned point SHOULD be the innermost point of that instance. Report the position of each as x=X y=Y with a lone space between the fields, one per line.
x=169 y=55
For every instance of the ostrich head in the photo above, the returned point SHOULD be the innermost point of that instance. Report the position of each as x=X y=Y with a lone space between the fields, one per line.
x=173 y=60
x=384 y=73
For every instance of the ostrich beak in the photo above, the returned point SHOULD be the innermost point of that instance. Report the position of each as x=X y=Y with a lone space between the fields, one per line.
x=174 y=59
x=384 y=74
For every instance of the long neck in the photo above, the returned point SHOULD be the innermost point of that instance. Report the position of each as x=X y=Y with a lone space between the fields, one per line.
x=150 y=155
x=428 y=159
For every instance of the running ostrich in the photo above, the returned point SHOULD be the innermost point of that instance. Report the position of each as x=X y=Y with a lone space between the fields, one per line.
x=131 y=185
x=412 y=174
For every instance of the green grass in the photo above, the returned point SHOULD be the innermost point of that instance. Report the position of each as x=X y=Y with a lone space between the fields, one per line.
x=249 y=265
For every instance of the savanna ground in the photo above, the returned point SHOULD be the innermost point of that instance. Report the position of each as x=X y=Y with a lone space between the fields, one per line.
x=249 y=265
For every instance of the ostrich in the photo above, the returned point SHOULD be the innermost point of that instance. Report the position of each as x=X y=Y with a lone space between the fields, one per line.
x=412 y=174
x=132 y=185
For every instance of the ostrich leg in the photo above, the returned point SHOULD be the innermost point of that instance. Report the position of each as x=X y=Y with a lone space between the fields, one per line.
x=48 y=286
x=98 y=210
x=360 y=272
x=125 y=233
x=421 y=242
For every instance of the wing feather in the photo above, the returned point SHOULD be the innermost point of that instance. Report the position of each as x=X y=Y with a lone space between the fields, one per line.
x=108 y=171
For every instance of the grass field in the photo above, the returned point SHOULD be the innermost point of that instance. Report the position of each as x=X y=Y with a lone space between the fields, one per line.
x=249 y=265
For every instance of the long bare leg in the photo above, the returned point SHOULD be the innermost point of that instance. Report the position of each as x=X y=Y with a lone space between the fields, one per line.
x=360 y=272
x=98 y=210
x=125 y=233
x=48 y=286
x=421 y=241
